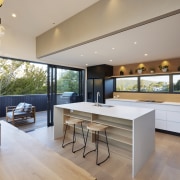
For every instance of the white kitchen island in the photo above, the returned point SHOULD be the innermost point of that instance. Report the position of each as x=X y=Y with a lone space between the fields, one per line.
x=130 y=128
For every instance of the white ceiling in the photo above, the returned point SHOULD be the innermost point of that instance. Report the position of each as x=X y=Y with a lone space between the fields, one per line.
x=160 y=39
x=35 y=17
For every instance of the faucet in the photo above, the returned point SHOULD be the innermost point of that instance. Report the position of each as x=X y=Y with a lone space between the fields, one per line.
x=98 y=94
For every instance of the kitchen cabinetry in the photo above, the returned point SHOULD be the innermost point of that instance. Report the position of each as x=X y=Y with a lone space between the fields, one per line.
x=104 y=86
x=167 y=116
x=97 y=82
x=99 y=71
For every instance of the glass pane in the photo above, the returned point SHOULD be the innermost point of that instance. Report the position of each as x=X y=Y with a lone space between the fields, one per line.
x=67 y=81
x=154 y=83
x=127 y=84
x=176 y=83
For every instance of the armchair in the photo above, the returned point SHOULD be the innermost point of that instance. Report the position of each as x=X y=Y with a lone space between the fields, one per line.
x=20 y=112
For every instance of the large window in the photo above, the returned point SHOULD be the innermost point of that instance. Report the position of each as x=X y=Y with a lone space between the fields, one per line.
x=154 y=83
x=176 y=83
x=67 y=80
x=127 y=84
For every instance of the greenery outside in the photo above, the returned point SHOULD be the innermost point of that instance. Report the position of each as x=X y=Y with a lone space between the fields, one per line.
x=67 y=80
x=176 y=83
x=18 y=78
x=127 y=84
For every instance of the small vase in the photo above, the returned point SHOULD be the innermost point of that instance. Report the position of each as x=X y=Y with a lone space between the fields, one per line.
x=164 y=70
x=139 y=71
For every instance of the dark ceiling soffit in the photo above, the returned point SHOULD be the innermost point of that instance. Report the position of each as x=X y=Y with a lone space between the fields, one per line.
x=120 y=30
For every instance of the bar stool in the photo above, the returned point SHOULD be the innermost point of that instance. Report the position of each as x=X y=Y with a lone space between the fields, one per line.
x=97 y=128
x=73 y=122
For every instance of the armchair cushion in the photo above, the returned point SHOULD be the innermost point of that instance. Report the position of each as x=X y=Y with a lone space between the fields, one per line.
x=23 y=107
x=27 y=107
x=16 y=114
x=20 y=107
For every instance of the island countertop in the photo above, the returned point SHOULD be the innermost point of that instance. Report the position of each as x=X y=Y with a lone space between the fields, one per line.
x=124 y=112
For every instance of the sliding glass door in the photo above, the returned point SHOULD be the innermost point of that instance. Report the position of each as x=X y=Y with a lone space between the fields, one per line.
x=61 y=80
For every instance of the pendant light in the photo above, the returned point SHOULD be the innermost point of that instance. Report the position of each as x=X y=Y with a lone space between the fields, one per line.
x=1 y=2
x=2 y=29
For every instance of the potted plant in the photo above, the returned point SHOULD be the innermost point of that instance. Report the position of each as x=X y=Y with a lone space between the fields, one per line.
x=131 y=71
x=140 y=70
x=121 y=73
x=163 y=68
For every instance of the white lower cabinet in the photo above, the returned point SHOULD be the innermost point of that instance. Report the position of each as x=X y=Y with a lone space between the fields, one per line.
x=160 y=119
x=167 y=116
x=160 y=124
x=173 y=120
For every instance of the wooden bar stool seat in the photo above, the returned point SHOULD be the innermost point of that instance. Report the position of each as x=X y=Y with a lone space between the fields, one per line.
x=97 y=128
x=73 y=122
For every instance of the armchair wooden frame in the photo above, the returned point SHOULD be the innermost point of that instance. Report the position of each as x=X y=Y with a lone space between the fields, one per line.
x=16 y=117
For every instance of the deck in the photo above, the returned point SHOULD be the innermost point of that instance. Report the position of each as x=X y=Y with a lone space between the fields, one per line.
x=27 y=126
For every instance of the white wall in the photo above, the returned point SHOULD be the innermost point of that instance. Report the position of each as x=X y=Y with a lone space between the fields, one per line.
x=17 y=45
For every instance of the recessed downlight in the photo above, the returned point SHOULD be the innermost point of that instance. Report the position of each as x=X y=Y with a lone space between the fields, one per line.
x=110 y=60
x=135 y=42
x=81 y=55
x=113 y=48
x=13 y=15
x=145 y=54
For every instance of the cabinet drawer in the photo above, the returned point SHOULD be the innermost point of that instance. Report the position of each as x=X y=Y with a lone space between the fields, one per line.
x=160 y=124
x=159 y=114
x=173 y=116
x=173 y=126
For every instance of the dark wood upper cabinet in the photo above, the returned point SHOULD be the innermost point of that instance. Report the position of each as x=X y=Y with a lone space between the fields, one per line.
x=99 y=71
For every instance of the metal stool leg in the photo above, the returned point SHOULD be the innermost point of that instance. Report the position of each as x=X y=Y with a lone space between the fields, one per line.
x=75 y=139
x=107 y=148
x=97 y=143
x=64 y=136
x=85 y=143
x=107 y=144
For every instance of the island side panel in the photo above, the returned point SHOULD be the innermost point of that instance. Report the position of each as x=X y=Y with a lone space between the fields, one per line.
x=58 y=122
x=143 y=140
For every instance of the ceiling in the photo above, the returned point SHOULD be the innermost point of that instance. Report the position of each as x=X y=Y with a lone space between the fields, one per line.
x=160 y=39
x=37 y=16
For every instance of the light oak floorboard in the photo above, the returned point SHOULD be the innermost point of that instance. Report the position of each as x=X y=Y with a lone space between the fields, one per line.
x=164 y=164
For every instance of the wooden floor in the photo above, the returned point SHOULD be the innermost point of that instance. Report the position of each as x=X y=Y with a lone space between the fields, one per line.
x=164 y=164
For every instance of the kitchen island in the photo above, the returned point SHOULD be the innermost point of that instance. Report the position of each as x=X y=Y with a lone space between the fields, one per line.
x=130 y=128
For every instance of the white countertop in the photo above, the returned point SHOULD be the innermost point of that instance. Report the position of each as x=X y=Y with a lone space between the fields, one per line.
x=124 y=112
x=138 y=101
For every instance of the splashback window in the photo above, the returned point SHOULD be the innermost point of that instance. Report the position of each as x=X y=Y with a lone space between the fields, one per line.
x=154 y=83
x=127 y=84
x=176 y=83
